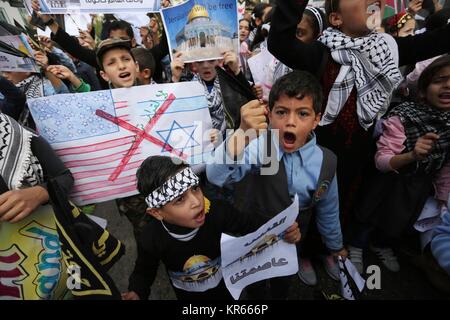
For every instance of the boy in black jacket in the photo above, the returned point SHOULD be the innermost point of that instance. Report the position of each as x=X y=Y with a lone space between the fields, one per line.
x=185 y=233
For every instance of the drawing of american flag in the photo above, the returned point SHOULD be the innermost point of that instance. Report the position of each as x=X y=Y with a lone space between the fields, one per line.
x=104 y=136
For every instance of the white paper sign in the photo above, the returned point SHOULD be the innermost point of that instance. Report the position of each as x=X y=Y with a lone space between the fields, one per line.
x=347 y=292
x=73 y=23
x=259 y=255
x=260 y=66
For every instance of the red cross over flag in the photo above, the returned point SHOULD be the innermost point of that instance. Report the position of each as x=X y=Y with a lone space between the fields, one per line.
x=104 y=136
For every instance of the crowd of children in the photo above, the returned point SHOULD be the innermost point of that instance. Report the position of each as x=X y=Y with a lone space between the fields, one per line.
x=357 y=122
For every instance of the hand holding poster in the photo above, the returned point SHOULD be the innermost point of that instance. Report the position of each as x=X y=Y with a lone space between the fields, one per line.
x=260 y=255
x=202 y=30
x=16 y=55
x=104 y=136
x=260 y=67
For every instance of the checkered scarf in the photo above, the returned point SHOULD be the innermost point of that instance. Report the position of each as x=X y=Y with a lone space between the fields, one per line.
x=215 y=103
x=368 y=63
x=18 y=166
x=32 y=87
x=418 y=120
x=172 y=188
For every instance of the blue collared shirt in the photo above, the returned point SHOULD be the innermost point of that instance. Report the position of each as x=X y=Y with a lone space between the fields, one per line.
x=302 y=170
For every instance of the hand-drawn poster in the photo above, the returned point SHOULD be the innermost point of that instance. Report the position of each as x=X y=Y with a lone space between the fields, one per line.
x=104 y=136
x=202 y=30
x=260 y=67
x=16 y=55
x=260 y=255
x=96 y=6
x=266 y=69
x=31 y=262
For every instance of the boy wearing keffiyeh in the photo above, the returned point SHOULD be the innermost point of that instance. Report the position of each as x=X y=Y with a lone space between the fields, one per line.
x=358 y=69
x=185 y=233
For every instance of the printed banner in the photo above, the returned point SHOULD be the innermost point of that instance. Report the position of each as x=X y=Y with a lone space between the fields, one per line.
x=104 y=136
x=202 y=30
x=96 y=6
x=9 y=59
x=259 y=255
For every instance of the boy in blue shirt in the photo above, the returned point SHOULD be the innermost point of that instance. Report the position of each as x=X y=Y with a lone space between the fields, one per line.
x=294 y=112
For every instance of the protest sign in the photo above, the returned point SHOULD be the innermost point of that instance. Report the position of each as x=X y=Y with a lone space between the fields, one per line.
x=96 y=6
x=104 y=136
x=16 y=55
x=31 y=265
x=202 y=31
x=260 y=255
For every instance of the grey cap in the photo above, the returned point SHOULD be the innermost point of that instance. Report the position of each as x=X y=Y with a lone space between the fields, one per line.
x=111 y=43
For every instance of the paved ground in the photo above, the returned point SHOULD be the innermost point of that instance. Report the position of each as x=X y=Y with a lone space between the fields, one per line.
x=409 y=283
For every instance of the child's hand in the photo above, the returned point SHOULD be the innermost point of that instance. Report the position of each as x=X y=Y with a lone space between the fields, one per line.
x=16 y=205
x=46 y=42
x=177 y=66
x=41 y=59
x=87 y=38
x=61 y=72
x=165 y=3
x=414 y=7
x=292 y=234
x=231 y=60
x=214 y=135
x=37 y=8
x=130 y=296
x=258 y=91
x=253 y=116
x=424 y=145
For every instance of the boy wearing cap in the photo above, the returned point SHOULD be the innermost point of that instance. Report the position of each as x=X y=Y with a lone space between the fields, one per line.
x=117 y=65
x=185 y=233
x=120 y=69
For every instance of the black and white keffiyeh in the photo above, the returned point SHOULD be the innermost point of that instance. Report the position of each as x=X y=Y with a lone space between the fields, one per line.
x=420 y=119
x=215 y=103
x=18 y=166
x=172 y=188
x=369 y=63
x=278 y=69
x=32 y=87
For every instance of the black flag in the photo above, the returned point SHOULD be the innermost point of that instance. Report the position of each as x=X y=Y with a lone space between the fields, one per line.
x=88 y=250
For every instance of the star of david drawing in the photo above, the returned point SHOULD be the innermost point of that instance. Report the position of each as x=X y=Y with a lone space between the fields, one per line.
x=179 y=137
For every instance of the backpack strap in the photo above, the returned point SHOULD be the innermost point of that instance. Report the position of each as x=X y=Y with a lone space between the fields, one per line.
x=327 y=173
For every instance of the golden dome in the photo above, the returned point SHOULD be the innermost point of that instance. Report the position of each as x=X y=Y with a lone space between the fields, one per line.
x=196 y=260
x=197 y=11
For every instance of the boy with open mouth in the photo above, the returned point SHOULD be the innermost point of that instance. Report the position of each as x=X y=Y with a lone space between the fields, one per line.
x=185 y=233
x=304 y=169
